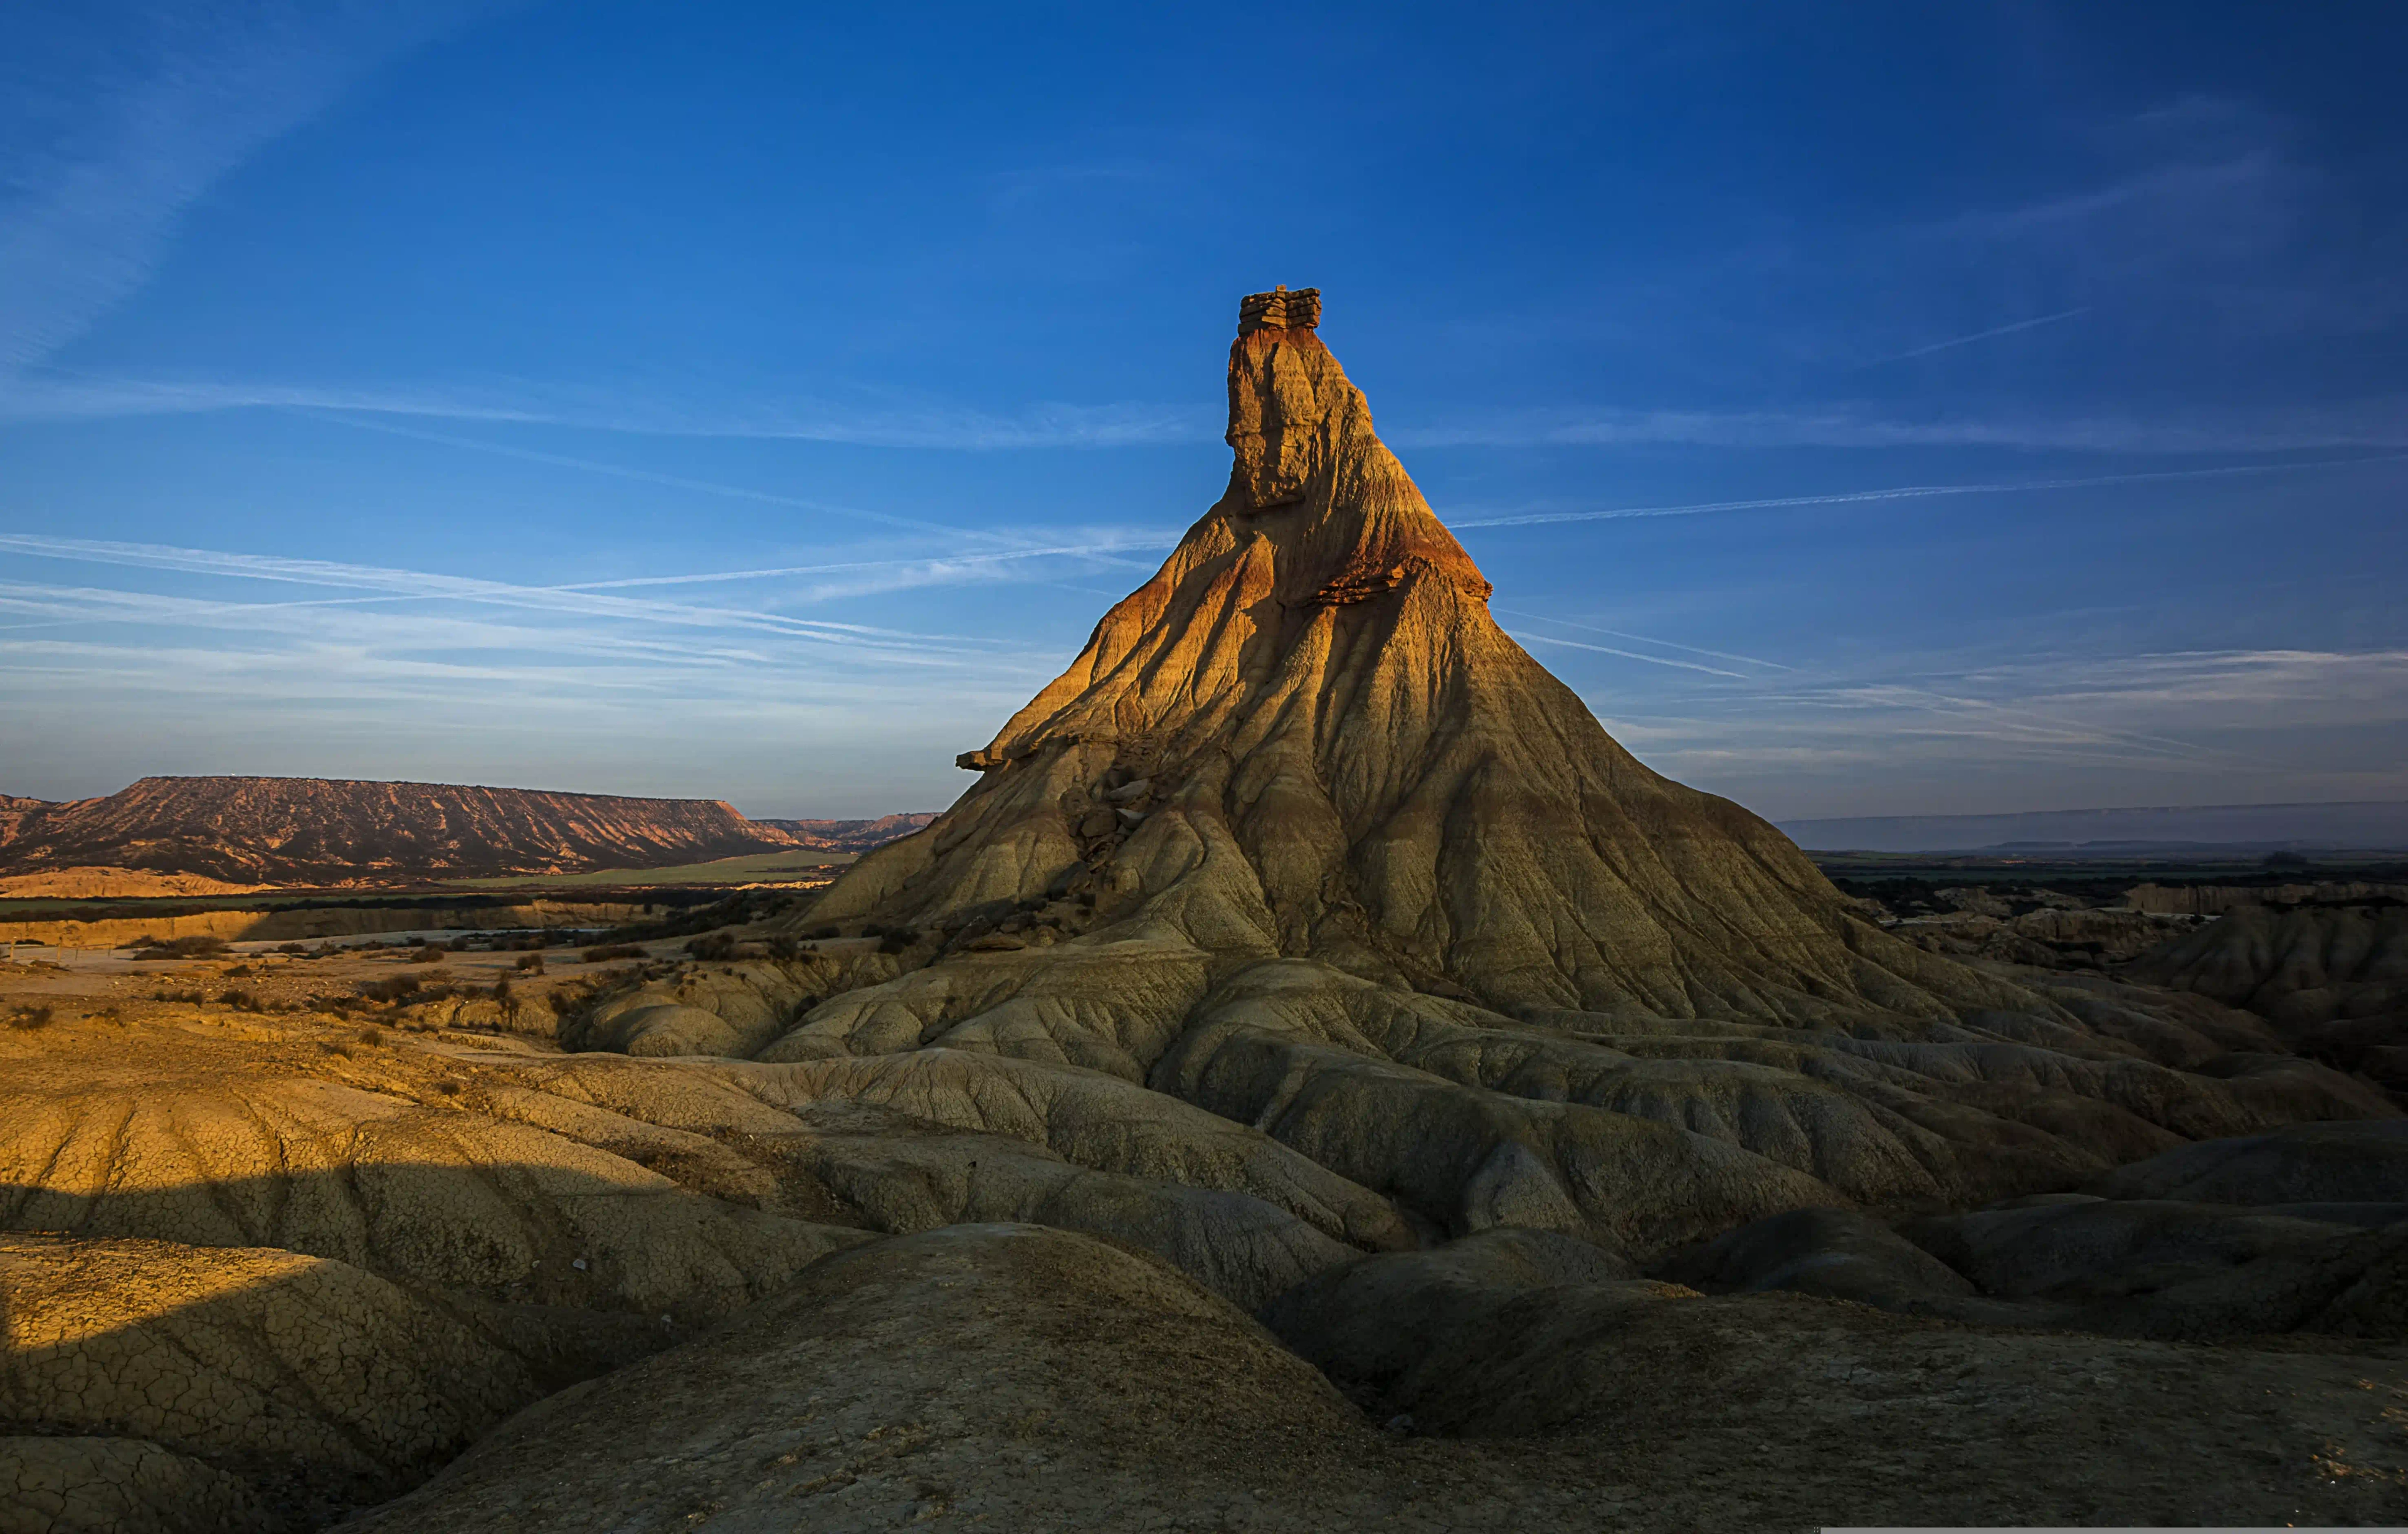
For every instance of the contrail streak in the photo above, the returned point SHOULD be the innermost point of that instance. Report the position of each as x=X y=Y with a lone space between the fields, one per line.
x=1907 y=492
x=1978 y=336
x=678 y=481
x=1632 y=655
x=1642 y=639
x=943 y=561
x=893 y=643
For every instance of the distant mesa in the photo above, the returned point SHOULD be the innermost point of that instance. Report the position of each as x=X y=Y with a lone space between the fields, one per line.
x=850 y=836
x=194 y=835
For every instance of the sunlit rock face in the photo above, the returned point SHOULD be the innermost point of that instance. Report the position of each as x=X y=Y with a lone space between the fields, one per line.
x=1342 y=756
x=1303 y=838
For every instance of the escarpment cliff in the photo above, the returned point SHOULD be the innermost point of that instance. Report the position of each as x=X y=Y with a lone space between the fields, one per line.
x=330 y=832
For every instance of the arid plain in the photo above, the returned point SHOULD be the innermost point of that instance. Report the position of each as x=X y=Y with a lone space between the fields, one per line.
x=1314 y=1078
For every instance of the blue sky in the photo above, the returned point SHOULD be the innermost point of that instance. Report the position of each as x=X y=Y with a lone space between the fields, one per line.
x=761 y=401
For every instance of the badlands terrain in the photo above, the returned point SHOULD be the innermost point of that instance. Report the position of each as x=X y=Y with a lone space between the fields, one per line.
x=1314 y=1078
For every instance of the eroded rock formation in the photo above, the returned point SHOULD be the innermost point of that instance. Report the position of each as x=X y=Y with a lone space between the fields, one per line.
x=2331 y=976
x=1306 y=738
x=1303 y=838
x=1012 y=1377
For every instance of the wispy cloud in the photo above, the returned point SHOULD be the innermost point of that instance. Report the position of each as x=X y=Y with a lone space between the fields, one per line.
x=2344 y=686
x=2212 y=249
x=334 y=659
x=1102 y=549
x=1082 y=550
x=359 y=628
x=1642 y=638
x=1980 y=335
x=289 y=688
x=893 y=644
x=1908 y=493
x=2379 y=422
x=1931 y=724
x=394 y=666
x=1628 y=654
x=634 y=406
x=186 y=93
x=393 y=685
x=642 y=408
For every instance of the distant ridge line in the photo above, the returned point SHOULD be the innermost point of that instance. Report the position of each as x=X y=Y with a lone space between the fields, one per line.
x=366 y=783
x=2354 y=824
x=252 y=830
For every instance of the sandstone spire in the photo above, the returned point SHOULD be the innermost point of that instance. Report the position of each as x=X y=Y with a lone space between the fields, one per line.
x=1303 y=839
x=1306 y=735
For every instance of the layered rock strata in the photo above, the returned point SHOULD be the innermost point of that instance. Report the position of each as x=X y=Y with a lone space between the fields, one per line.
x=332 y=832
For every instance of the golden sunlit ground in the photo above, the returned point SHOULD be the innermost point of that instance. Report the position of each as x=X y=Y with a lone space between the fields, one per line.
x=800 y=868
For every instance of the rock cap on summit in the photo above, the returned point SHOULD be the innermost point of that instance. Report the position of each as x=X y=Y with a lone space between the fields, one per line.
x=1279 y=310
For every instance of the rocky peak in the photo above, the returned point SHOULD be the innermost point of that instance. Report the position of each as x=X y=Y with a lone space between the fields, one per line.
x=1302 y=445
x=1291 y=409
x=1318 y=514
x=1343 y=758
